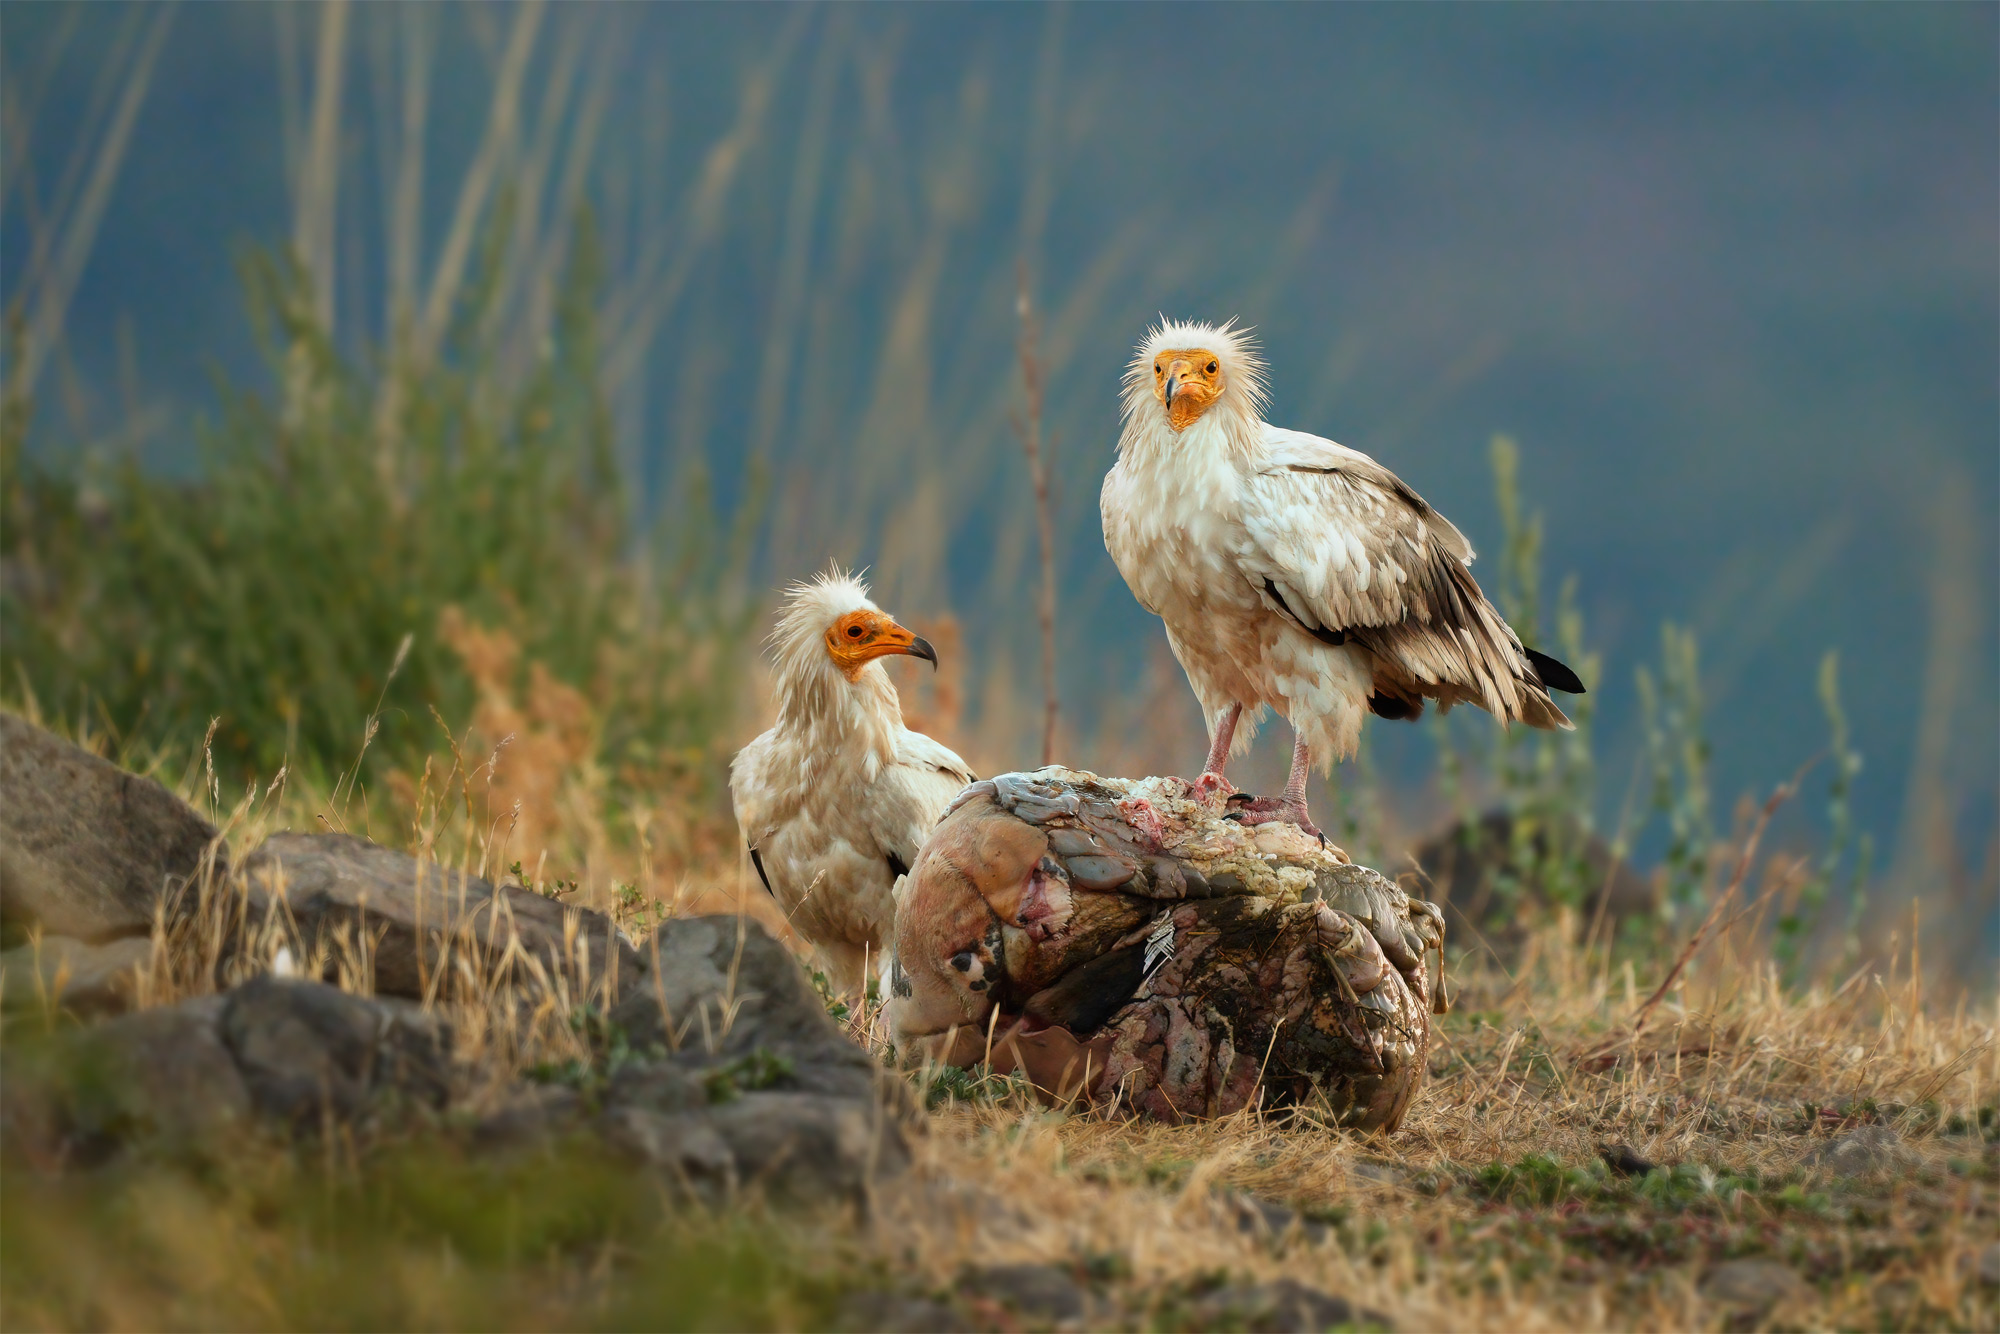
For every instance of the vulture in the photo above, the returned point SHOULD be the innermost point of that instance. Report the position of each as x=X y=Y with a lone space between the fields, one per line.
x=1295 y=574
x=836 y=799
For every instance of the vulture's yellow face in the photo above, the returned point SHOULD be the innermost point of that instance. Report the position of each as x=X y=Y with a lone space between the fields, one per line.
x=1187 y=383
x=860 y=637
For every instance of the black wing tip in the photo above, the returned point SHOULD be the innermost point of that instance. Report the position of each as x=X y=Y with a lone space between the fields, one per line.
x=1554 y=675
x=1396 y=710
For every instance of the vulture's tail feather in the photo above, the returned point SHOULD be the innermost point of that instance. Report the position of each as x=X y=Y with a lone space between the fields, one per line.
x=1538 y=710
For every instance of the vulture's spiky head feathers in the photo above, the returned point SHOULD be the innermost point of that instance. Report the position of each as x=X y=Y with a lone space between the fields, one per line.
x=1188 y=372
x=830 y=636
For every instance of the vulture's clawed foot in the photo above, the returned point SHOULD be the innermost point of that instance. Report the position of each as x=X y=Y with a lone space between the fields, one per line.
x=1205 y=789
x=1246 y=809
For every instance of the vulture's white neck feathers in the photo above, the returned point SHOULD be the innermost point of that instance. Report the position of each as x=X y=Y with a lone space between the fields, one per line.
x=821 y=712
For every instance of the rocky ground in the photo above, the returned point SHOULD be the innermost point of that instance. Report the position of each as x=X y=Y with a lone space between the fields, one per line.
x=311 y=1081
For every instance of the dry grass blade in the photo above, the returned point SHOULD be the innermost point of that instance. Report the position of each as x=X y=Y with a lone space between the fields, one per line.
x=1038 y=476
x=1782 y=794
x=502 y=127
x=319 y=176
x=78 y=229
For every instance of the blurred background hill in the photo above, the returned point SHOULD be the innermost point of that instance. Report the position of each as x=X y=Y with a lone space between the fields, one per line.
x=599 y=322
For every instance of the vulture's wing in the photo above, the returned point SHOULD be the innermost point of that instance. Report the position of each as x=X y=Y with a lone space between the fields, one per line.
x=1344 y=549
x=909 y=797
x=750 y=790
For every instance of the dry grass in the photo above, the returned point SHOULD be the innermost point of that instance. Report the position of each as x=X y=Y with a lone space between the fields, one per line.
x=1490 y=1209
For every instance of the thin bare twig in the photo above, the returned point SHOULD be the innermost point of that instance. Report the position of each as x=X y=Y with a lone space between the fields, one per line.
x=1779 y=797
x=1031 y=442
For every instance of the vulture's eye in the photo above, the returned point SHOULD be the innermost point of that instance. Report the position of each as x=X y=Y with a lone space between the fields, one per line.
x=854 y=632
x=1211 y=368
x=1156 y=368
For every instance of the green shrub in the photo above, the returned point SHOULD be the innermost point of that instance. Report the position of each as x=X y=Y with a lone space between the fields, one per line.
x=345 y=513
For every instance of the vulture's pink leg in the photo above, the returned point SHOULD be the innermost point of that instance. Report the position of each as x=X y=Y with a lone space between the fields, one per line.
x=1211 y=780
x=1290 y=808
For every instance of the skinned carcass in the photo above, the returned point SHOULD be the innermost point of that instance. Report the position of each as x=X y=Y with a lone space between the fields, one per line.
x=1124 y=943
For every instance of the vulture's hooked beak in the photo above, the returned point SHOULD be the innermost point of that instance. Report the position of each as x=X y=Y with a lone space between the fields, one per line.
x=895 y=639
x=1173 y=384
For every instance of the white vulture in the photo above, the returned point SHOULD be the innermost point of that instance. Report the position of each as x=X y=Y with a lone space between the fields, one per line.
x=1294 y=573
x=835 y=800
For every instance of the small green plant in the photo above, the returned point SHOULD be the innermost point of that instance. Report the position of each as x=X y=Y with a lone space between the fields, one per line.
x=1677 y=753
x=976 y=1085
x=1795 y=926
x=822 y=986
x=1545 y=782
x=756 y=1069
x=607 y=1049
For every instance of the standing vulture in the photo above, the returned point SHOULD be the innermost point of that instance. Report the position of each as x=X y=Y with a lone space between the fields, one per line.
x=1294 y=573
x=835 y=800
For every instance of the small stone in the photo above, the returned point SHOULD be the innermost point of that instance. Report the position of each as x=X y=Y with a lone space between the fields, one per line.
x=1379 y=1174
x=1275 y=1223
x=1040 y=1292
x=1260 y=1216
x=895 y=1313
x=1752 y=1285
x=1279 y=1307
x=1626 y=1161
x=87 y=849
x=1988 y=1267
x=1864 y=1151
x=71 y=975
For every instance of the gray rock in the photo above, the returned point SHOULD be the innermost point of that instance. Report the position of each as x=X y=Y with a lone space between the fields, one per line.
x=71 y=975
x=1270 y=1221
x=1625 y=1160
x=719 y=989
x=86 y=848
x=194 y=1076
x=896 y=1313
x=808 y=1146
x=1753 y=1285
x=1042 y=1293
x=307 y=1051
x=685 y=1145
x=735 y=1052
x=1278 y=1307
x=1988 y=1268
x=1377 y=1174
x=532 y=1114
x=161 y=1076
x=1864 y=1151
x=660 y=1086
x=422 y=917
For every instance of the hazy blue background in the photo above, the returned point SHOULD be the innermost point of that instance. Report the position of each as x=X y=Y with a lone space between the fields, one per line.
x=1727 y=273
